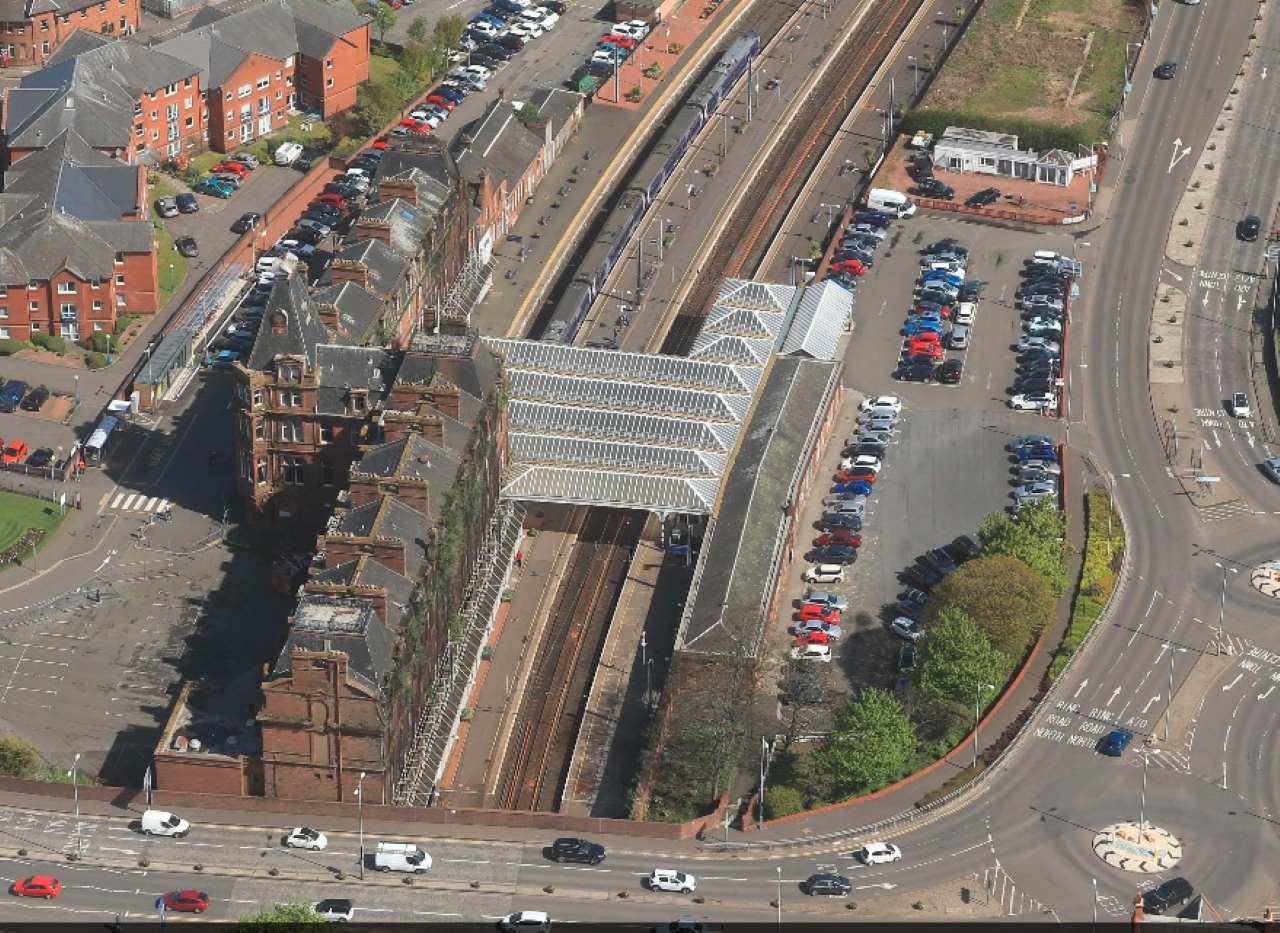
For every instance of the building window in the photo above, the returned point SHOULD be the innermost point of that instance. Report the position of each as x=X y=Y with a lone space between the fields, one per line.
x=44 y=48
x=291 y=398
x=119 y=279
x=279 y=95
x=33 y=306
x=291 y=471
x=138 y=129
x=245 y=90
x=155 y=135
x=264 y=105
x=261 y=471
x=190 y=122
x=186 y=103
x=257 y=397
x=326 y=434
x=95 y=283
x=328 y=82
x=97 y=326
x=259 y=429
x=291 y=430
x=44 y=25
x=328 y=63
x=97 y=304
x=69 y=288
x=4 y=291
x=170 y=89
x=290 y=372
x=68 y=312
x=288 y=62
x=171 y=112
x=4 y=333
x=358 y=401
x=264 y=82
x=328 y=475
x=35 y=325
x=4 y=313
x=186 y=82
x=229 y=95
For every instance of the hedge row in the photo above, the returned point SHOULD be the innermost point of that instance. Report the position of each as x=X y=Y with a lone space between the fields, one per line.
x=1032 y=134
x=1098 y=573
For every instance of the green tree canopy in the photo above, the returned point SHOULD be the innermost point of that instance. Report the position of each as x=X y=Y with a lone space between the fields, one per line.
x=1005 y=598
x=872 y=744
x=417 y=31
x=18 y=757
x=956 y=657
x=383 y=18
x=287 y=915
x=377 y=105
x=1035 y=537
x=448 y=30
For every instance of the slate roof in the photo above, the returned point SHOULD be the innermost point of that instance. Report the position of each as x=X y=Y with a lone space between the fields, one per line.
x=303 y=331
x=340 y=623
x=79 y=42
x=425 y=164
x=217 y=42
x=61 y=209
x=413 y=458
x=497 y=144
x=386 y=266
x=12 y=11
x=93 y=88
x=355 y=309
x=340 y=367
x=388 y=517
x=474 y=373
x=409 y=227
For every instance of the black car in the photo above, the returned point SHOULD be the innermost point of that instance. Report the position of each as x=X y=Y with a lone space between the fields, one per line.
x=324 y=213
x=246 y=222
x=187 y=246
x=508 y=41
x=939 y=560
x=557 y=6
x=932 y=294
x=932 y=577
x=914 y=372
x=187 y=203
x=1037 y=353
x=307 y=235
x=484 y=61
x=1166 y=70
x=35 y=398
x=1173 y=893
x=568 y=849
x=983 y=198
x=1033 y=386
x=878 y=218
x=948 y=244
x=914 y=576
x=907 y=657
x=836 y=554
x=494 y=50
x=40 y=458
x=841 y=520
x=949 y=373
x=1249 y=228
x=307 y=159
x=964 y=548
x=932 y=188
x=826 y=885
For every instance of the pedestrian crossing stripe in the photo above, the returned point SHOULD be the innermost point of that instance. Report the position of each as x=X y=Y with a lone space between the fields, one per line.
x=138 y=502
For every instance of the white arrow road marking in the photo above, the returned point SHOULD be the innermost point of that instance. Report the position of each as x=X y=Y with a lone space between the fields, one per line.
x=883 y=886
x=1154 y=699
x=1263 y=696
x=1084 y=683
x=1226 y=687
x=1115 y=693
x=1178 y=156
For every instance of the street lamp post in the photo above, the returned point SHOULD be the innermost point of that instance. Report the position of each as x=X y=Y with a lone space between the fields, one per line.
x=360 y=817
x=915 y=71
x=1222 y=605
x=1142 y=806
x=779 y=897
x=1095 y=904
x=977 y=700
x=75 y=784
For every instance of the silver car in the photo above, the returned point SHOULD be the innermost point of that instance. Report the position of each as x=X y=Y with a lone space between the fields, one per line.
x=1035 y=491
x=1271 y=467
x=1027 y=476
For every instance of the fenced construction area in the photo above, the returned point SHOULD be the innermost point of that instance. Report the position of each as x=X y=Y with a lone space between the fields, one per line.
x=1058 y=63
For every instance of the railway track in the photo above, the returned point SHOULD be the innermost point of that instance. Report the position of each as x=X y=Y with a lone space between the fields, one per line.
x=739 y=251
x=549 y=712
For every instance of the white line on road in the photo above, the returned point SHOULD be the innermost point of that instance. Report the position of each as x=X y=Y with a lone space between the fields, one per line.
x=1115 y=693
x=1226 y=687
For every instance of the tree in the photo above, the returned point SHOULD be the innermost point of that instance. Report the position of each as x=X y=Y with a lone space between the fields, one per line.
x=782 y=800
x=872 y=744
x=1035 y=537
x=377 y=105
x=804 y=690
x=956 y=657
x=415 y=62
x=418 y=30
x=448 y=30
x=18 y=757
x=383 y=18
x=1007 y=600
x=288 y=914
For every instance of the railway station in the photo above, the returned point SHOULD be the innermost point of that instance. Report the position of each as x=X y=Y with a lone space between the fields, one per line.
x=661 y=491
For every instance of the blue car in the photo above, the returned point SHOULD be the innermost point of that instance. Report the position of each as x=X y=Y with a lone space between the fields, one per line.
x=223 y=359
x=1115 y=742
x=12 y=394
x=451 y=93
x=1038 y=453
x=930 y=277
x=859 y=487
x=911 y=328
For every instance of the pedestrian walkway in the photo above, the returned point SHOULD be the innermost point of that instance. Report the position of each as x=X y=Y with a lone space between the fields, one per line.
x=632 y=666
x=126 y=501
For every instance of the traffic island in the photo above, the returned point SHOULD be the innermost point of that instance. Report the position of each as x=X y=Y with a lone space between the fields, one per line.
x=1147 y=851
x=1266 y=579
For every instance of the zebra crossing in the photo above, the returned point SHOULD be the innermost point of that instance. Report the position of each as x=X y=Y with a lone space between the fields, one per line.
x=136 y=502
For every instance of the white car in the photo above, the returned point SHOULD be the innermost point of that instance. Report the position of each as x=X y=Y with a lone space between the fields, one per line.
x=906 y=627
x=1037 y=343
x=824 y=573
x=889 y=403
x=1240 y=405
x=481 y=28
x=1035 y=491
x=549 y=20
x=1044 y=466
x=603 y=57
x=1034 y=401
x=668 y=879
x=878 y=853
x=811 y=653
x=966 y=311
x=526 y=921
x=636 y=28
x=287 y=153
x=478 y=70
x=302 y=837
x=862 y=460
x=335 y=909
x=525 y=31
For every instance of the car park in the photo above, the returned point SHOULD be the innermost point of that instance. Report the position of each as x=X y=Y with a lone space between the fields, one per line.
x=668 y=879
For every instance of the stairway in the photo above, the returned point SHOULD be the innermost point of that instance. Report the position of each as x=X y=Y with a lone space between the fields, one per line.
x=456 y=669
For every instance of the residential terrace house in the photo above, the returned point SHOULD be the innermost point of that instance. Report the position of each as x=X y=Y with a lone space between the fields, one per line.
x=123 y=99
x=263 y=62
x=33 y=30
x=77 y=248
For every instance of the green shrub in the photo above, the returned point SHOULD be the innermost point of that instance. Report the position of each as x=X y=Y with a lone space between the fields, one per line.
x=782 y=800
x=1032 y=134
x=102 y=342
x=10 y=347
x=41 y=340
x=123 y=322
x=1097 y=576
x=18 y=758
x=56 y=344
x=95 y=360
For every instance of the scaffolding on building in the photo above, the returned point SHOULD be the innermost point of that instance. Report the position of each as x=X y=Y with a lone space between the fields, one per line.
x=467 y=288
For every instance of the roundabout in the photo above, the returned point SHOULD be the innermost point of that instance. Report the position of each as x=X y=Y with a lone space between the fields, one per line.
x=1146 y=850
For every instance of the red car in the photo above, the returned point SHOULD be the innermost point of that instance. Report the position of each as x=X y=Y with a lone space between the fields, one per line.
x=409 y=121
x=813 y=638
x=45 y=886
x=925 y=348
x=442 y=102
x=189 y=902
x=378 y=144
x=14 y=452
x=332 y=199
x=821 y=613
x=851 y=266
x=625 y=42
x=866 y=474
x=422 y=129
x=840 y=536
x=234 y=168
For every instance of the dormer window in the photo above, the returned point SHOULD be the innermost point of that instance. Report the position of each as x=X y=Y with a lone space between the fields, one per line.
x=290 y=372
x=359 y=400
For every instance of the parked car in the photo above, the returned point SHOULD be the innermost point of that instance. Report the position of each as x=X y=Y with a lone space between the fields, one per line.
x=808 y=652
x=813 y=612
x=881 y=404
x=187 y=246
x=11 y=394
x=40 y=458
x=1038 y=343
x=1034 y=401
x=949 y=372
x=246 y=222
x=187 y=203
x=822 y=598
x=232 y=167
x=14 y=452
x=983 y=198
x=35 y=399
x=940 y=560
x=837 y=554
x=167 y=207
x=932 y=188
x=824 y=573
x=906 y=627
x=247 y=159
x=287 y=153
x=907 y=656
x=915 y=372
x=213 y=187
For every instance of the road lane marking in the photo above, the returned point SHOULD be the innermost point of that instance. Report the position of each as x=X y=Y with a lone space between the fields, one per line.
x=1226 y=687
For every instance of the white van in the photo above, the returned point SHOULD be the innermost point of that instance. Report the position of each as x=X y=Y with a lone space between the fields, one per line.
x=288 y=153
x=163 y=823
x=401 y=856
x=890 y=201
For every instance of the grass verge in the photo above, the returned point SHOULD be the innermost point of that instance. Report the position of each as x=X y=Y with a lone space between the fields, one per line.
x=171 y=266
x=18 y=513
x=1103 y=553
